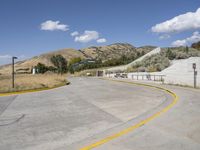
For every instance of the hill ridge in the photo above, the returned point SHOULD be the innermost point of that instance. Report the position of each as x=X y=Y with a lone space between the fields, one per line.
x=104 y=53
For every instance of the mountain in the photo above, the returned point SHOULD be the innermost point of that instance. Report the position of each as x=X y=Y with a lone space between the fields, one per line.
x=103 y=53
x=196 y=45
x=145 y=49
x=108 y=52
x=44 y=58
x=114 y=51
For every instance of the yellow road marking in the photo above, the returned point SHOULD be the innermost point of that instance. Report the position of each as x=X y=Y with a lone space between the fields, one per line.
x=28 y=91
x=129 y=129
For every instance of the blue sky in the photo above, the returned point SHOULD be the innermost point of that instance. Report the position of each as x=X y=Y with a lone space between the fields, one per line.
x=32 y=27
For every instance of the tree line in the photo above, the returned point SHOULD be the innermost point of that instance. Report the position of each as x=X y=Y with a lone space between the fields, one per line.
x=59 y=62
x=61 y=65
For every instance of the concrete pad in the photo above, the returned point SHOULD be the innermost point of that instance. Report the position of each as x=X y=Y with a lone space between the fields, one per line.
x=61 y=117
x=177 y=129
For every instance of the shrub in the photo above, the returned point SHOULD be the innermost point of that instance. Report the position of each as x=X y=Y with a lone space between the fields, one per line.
x=196 y=45
x=60 y=63
x=151 y=68
x=131 y=69
x=74 y=60
x=41 y=68
x=152 y=63
x=186 y=49
x=141 y=69
x=181 y=55
x=170 y=55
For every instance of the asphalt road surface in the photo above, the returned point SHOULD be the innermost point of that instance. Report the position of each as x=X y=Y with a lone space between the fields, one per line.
x=90 y=109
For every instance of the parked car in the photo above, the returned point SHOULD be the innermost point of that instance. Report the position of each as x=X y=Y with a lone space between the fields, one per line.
x=124 y=75
x=88 y=74
x=117 y=75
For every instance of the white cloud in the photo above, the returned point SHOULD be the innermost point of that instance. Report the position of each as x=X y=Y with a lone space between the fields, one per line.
x=5 y=56
x=50 y=25
x=87 y=36
x=194 y=38
x=102 y=40
x=9 y=56
x=22 y=57
x=6 y=59
x=165 y=36
x=187 y=21
x=179 y=43
x=75 y=33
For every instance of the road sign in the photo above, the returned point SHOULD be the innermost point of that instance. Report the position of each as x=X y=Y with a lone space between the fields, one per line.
x=194 y=66
x=195 y=74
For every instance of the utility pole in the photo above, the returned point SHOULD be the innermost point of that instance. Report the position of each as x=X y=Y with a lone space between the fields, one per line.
x=13 y=72
x=195 y=75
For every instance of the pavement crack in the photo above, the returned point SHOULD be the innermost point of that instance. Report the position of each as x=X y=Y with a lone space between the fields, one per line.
x=7 y=101
x=7 y=121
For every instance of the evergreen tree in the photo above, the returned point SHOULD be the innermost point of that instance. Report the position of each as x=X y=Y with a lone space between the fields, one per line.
x=170 y=54
x=186 y=49
x=41 y=68
x=60 y=63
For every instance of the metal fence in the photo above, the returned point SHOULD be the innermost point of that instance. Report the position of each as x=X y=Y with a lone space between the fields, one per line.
x=149 y=77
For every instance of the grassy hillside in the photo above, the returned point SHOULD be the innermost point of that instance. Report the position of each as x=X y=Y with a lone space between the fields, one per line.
x=159 y=62
x=30 y=82
x=114 y=52
x=111 y=55
x=109 y=52
x=68 y=54
x=196 y=45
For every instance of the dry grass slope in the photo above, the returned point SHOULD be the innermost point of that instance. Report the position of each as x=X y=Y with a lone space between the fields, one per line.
x=109 y=52
x=29 y=82
x=103 y=53
x=68 y=54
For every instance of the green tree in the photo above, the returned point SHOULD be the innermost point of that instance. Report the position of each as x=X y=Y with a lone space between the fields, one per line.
x=60 y=63
x=170 y=54
x=186 y=49
x=196 y=45
x=74 y=60
x=41 y=68
x=51 y=68
x=71 y=69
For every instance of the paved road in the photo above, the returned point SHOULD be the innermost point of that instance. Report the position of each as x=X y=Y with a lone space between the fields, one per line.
x=89 y=109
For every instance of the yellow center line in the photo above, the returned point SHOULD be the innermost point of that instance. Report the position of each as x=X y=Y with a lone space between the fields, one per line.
x=29 y=91
x=139 y=124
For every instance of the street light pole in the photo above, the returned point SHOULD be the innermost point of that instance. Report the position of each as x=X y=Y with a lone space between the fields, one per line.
x=13 y=72
x=195 y=75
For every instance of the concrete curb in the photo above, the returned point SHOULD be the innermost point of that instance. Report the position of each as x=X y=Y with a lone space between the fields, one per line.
x=31 y=91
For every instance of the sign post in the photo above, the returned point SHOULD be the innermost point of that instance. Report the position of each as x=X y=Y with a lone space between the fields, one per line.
x=195 y=75
x=13 y=72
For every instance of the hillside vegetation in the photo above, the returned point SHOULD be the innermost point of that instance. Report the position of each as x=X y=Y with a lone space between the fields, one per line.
x=196 y=45
x=160 y=61
x=115 y=51
x=110 y=55
x=30 y=82
x=103 y=56
x=119 y=59
x=45 y=59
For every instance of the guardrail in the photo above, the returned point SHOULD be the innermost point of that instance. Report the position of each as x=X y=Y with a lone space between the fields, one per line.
x=147 y=77
x=137 y=76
